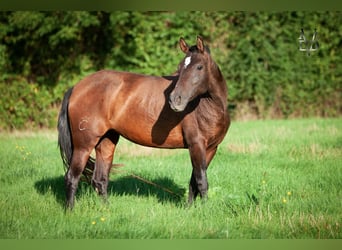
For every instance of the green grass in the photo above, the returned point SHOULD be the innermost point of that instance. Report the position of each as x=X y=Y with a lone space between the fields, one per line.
x=269 y=179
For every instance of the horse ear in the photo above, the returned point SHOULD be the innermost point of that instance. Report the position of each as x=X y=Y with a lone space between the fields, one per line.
x=183 y=45
x=200 y=44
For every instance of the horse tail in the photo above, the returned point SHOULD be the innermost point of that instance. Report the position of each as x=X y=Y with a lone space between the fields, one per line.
x=65 y=139
x=64 y=133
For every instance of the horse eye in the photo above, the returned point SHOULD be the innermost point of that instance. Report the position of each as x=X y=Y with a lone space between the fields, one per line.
x=199 y=67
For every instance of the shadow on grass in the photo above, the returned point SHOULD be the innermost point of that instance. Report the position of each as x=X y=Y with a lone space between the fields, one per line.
x=52 y=185
x=165 y=189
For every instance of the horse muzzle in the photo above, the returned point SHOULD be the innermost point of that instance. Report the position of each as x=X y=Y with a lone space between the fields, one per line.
x=177 y=102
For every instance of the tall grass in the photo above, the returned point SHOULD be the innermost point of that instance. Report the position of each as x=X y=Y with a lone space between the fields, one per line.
x=269 y=179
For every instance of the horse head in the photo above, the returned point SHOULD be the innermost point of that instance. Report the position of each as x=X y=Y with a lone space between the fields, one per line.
x=193 y=72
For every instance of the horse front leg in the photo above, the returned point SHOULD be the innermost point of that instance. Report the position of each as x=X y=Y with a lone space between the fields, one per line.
x=198 y=182
x=198 y=185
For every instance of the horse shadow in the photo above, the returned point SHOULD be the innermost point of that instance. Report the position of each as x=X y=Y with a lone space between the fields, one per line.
x=164 y=189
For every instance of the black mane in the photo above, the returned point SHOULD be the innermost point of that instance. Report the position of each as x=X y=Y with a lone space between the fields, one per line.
x=195 y=49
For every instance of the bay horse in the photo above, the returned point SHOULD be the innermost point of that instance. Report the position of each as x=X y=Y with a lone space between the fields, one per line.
x=185 y=110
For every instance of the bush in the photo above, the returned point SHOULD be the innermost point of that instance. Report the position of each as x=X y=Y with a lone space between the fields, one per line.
x=44 y=53
x=24 y=105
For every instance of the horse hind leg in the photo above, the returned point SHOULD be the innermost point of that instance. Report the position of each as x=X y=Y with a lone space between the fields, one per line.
x=103 y=163
x=72 y=176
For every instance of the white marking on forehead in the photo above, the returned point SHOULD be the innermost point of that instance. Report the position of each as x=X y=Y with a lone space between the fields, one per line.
x=187 y=61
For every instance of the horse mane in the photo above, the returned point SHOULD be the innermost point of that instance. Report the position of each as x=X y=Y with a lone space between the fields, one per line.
x=194 y=49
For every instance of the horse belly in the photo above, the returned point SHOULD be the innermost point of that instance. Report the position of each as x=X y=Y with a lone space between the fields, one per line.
x=146 y=133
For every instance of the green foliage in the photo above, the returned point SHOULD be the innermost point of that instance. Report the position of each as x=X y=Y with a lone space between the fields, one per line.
x=30 y=109
x=265 y=68
x=148 y=42
x=267 y=75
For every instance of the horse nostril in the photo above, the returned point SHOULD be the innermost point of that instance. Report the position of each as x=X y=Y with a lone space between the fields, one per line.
x=178 y=100
x=175 y=101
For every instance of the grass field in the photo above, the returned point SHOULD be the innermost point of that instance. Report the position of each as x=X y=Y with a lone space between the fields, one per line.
x=269 y=179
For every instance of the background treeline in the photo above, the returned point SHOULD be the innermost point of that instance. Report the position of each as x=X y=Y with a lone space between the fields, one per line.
x=43 y=53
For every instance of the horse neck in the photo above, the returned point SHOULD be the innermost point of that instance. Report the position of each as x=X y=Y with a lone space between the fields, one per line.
x=218 y=87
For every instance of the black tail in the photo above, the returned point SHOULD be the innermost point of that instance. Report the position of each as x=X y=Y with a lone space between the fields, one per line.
x=64 y=134
x=65 y=140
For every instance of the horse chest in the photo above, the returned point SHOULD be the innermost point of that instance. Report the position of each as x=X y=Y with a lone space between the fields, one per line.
x=213 y=125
